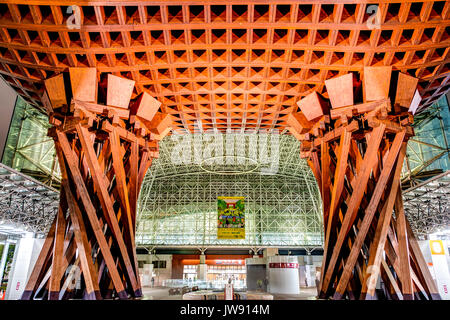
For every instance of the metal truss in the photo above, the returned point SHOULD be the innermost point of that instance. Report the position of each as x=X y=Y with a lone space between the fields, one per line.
x=178 y=201
x=28 y=148
x=427 y=205
x=266 y=153
x=428 y=151
x=26 y=205
x=426 y=172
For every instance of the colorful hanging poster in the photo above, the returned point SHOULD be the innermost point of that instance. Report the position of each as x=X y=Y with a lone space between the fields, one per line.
x=231 y=218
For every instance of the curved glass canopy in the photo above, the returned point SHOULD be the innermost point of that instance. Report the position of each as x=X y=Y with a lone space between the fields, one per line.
x=178 y=200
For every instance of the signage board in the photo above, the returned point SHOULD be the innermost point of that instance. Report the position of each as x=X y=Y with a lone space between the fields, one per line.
x=231 y=218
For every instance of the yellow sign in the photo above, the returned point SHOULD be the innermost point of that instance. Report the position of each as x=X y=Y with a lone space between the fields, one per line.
x=231 y=218
x=437 y=247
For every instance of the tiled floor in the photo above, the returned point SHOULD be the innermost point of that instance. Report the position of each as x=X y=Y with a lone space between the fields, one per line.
x=305 y=294
x=158 y=293
x=161 y=293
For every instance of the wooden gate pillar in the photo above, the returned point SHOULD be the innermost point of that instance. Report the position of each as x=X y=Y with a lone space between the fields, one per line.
x=104 y=144
x=355 y=142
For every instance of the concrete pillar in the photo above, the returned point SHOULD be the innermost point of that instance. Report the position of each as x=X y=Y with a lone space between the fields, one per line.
x=310 y=271
x=202 y=271
x=269 y=252
x=25 y=256
x=283 y=274
x=256 y=274
x=147 y=275
x=144 y=259
x=308 y=259
x=302 y=271
x=202 y=268
x=3 y=260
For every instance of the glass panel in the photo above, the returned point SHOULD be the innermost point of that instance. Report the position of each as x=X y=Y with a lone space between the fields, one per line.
x=427 y=153
x=178 y=203
x=28 y=148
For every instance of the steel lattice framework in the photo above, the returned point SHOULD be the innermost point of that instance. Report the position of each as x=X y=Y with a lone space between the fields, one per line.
x=28 y=148
x=178 y=203
x=428 y=206
x=25 y=203
x=428 y=151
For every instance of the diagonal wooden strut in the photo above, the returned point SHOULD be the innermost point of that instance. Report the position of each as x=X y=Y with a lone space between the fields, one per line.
x=355 y=199
x=356 y=153
x=104 y=152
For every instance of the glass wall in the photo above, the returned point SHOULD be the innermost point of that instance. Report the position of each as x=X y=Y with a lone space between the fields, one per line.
x=178 y=203
x=428 y=153
x=28 y=149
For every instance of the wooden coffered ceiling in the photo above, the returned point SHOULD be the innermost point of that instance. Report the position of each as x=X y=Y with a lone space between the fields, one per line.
x=225 y=64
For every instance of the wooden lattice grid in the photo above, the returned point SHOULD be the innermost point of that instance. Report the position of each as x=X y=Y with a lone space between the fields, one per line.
x=224 y=64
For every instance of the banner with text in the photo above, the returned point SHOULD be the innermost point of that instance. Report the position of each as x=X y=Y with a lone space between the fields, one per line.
x=231 y=218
